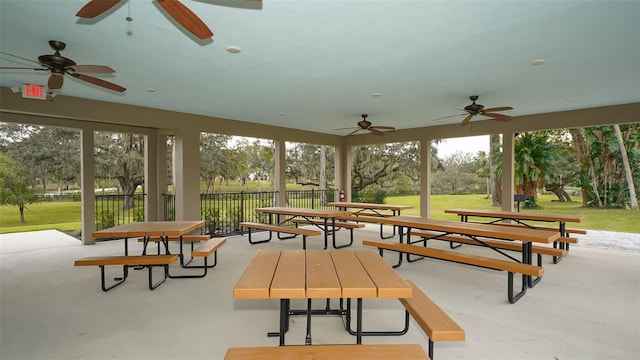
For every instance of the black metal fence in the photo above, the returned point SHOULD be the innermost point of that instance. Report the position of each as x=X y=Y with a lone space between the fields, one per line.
x=117 y=209
x=223 y=212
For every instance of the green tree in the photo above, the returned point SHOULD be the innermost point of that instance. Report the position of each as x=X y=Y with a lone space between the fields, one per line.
x=14 y=188
x=120 y=156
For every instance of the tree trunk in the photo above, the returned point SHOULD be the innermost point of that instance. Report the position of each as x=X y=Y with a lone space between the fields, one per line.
x=627 y=168
x=22 y=219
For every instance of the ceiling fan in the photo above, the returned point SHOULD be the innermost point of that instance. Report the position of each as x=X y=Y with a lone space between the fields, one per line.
x=476 y=109
x=366 y=125
x=59 y=65
x=174 y=8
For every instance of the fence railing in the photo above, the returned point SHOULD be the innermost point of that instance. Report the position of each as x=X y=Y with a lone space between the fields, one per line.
x=223 y=212
x=117 y=209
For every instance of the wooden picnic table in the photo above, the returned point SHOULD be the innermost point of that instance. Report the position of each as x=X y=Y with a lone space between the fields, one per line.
x=328 y=217
x=147 y=229
x=518 y=217
x=374 y=210
x=521 y=218
x=319 y=274
x=476 y=231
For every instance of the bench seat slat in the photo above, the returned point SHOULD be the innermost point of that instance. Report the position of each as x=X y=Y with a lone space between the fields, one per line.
x=127 y=260
x=338 y=224
x=309 y=352
x=434 y=322
x=209 y=247
x=477 y=260
x=278 y=228
x=500 y=244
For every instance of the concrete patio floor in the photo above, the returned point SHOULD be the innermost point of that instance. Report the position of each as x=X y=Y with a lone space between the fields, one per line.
x=586 y=307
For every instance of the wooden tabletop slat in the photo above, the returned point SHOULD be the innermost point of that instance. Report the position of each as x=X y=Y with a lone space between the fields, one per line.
x=474 y=229
x=283 y=210
x=389 y=283
x=289 y=281
x=322 y=281
x=517 y=215
x=257 y=277
x=149 y=228
x=354 y=280
x=370 y=206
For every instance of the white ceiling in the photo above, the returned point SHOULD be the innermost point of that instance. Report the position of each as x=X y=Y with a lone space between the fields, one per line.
x=314 y=65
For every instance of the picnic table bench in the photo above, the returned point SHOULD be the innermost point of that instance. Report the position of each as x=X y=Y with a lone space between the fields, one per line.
x=498 y=244
x=329 y=352
x=510 y=267
x=148 y=261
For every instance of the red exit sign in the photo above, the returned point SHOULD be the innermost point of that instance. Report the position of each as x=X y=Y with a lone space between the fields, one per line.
x=34 y=92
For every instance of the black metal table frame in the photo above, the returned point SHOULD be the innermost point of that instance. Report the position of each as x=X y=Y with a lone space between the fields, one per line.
x=527 y=258
x=165 y=241
x=562 y=228
x=378 y=214
x=344 y=312
x=324 y=228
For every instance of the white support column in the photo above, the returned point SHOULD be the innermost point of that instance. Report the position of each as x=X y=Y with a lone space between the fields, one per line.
x=507 y=171
x=342 y=170
x=186 y=162
x=150 y=175
x=425 y=178
x=280 y=172
x=87 y=181
x=161 y=173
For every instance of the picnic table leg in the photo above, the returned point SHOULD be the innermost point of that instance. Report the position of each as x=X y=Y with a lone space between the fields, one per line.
x=284 y=321
x=359 y=322
x=307 y=340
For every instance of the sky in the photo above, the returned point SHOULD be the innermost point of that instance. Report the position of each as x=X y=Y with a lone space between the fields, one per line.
x=471 y=144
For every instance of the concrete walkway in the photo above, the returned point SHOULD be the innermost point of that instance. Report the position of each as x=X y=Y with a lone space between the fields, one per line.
x=609 y=240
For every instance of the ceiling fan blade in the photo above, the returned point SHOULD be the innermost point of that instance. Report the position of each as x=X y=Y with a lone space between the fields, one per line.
x=96 y=7
x=497 y=116
x=466 y=120
x=379 y=127
x=450 y=116
x=503 y=108
x=94 y=69
x=347 y=128
x=375 y=131
x=354 y=131
x=21 y=58
x=55 y=82
x=20 y=68
x=186 y=18
x=99 y=82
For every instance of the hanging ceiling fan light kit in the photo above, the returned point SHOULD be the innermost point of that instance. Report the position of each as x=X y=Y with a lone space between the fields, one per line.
x=59 y=65
x=474 y=109
x=365 y=125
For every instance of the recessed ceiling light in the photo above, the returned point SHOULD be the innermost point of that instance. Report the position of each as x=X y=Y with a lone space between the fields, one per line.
x=233 y=49
x=149 y=89
x=376 y=94
x=283 y=114
x=570 y=99
x=538 y=62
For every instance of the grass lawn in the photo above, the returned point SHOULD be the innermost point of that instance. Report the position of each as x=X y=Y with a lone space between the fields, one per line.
x=65 y=216
x=595 y=219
